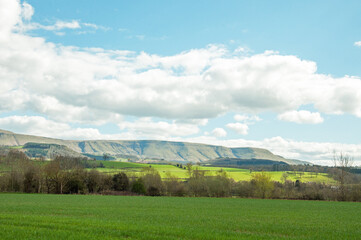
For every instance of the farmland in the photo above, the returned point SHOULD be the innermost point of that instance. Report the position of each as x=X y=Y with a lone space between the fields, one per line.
x=34 y=216
x=235 y=173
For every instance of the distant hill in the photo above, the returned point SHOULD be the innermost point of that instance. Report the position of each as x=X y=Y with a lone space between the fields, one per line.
x=48 y=150
x=149 y=149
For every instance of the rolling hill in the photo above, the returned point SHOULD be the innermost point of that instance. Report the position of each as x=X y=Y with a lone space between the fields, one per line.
x=148 y=149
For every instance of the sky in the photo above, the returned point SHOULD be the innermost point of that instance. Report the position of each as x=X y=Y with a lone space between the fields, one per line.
x=280 y=75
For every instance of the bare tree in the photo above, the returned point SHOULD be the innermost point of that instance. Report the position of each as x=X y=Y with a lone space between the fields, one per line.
x=342 y=162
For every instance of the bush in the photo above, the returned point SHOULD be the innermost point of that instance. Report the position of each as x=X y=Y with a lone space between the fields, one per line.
x=120 y=182
x=152 y=182
x=138 y=187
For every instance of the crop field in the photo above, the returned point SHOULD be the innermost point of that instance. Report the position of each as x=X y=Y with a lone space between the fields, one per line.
x=235 y=173
x=36 y=216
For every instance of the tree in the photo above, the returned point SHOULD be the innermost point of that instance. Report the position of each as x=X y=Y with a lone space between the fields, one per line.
x=92 y=181
x=197 y=183
x=52 y=177
x=173 y=186
x=138 y=186
x=220 y=185
x=75 y=181
x=263 y=183
x=342 y=162
x=31 y=179
x=152 y=182
x=284 y=177
x=189 y=169
x=120 y=182
x=106 y=156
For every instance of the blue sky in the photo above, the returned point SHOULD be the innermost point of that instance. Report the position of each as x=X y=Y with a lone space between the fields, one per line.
x=283 y=75
x=322 y=31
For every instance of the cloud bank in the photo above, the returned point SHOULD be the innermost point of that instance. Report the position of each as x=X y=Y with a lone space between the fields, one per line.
x=199 y=83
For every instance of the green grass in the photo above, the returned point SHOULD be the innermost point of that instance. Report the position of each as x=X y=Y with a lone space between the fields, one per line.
x=31 y=216
x=235 y=173
x=118 y=165
x=16 y=147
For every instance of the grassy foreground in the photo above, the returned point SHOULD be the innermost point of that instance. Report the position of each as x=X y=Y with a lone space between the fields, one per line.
x=36 y=216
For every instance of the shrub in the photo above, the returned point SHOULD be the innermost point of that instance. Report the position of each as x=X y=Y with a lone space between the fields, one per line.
x=138 y=187
x=120 y=182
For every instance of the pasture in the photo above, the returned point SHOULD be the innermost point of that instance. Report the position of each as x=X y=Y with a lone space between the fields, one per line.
x=37 y=216
x=235 y=173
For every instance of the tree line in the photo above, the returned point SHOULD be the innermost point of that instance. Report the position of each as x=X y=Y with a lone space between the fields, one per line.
x=68 y=175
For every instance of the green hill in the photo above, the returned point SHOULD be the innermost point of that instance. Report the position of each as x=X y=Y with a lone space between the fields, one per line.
x=148 y=149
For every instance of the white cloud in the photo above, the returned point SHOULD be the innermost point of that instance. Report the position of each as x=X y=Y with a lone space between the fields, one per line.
x=246 y=118
x=147 y=128
x=96 y=86
x=57 y=26
x=357 y=44
x=301 y=117
x=10 y=12
x=95 y=26
x=61 y=25
x=199 y=122
x=27 y=11
x=40 y=126
x=243 y=122
x=239 y=128
x=195 y=84
x=219 y=132
x=314 y=152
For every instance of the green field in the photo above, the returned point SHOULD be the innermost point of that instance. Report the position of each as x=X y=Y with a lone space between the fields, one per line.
x=235 y=173
x=37 y=216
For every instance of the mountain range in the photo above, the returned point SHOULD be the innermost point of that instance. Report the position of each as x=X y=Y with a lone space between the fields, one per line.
x=143 y=149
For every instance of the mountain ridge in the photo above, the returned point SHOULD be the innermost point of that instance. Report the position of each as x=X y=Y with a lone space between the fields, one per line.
x=149 y=149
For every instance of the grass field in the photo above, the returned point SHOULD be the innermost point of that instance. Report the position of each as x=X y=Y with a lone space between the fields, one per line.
x=235 y=173
x=36 y=216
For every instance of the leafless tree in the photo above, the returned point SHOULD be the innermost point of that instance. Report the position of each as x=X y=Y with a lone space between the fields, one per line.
x=342 y=162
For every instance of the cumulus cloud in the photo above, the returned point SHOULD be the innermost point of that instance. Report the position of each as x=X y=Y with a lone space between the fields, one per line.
x=301 y=117
x=357 y=44
x=195 y=84
x=147 y=128
x=40 y=126
x=239 y=128
x=10 y=15
x=95 y=86
x=219 y=132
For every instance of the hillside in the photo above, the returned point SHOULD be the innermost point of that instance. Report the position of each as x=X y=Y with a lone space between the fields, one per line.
x=148 y=149
x=48 y=150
